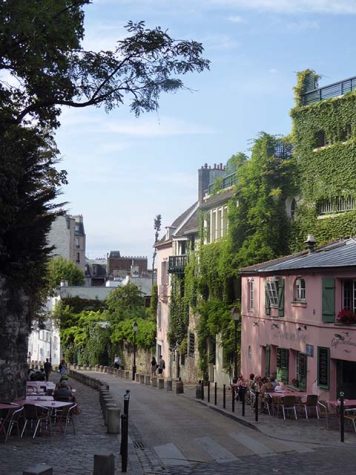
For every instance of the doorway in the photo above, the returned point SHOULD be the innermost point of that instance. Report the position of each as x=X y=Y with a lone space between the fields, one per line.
x=346 y=378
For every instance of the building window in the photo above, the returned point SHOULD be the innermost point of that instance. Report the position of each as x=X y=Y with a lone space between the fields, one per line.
x=78 y=257
x=293 y=208
x=320 y=139
x=323 y=367
x=191 y=349
x=299 y=290
x=272 y=291
x=164 y=273
x=159 y=314
x=349 y=295
x=250 y=294
x=302 y=370
x=283 y=365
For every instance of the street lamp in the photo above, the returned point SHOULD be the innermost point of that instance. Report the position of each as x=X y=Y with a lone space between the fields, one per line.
x=134 y=328
x=236 y=318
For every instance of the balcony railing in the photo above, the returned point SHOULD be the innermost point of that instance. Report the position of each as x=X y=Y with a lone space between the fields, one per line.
x=227 y=181
x=333 y=90
x=176 y=264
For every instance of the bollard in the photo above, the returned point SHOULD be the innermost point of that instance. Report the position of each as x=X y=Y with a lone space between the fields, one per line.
x=224 y=396
x=198 y=391
x=169 y=384
x=242 y=393
x=342 y=420
x=256 y=406
x=104 y=464
x=106 y=411
x=124 y=442
x=179 y=387
x=147 y=379
x=202 y=390
x=39 y=469
x=127 y=374
x=160 y=383
x=137 y=378
x=208 y=391
x=216 y=394
x=154 y=381
x=142 y=379
x=113 y=420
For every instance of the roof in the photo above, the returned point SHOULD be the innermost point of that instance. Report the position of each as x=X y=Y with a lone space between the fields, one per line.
x=179 y=223
x=335 y=255
x=190 y=227
x=217 y=199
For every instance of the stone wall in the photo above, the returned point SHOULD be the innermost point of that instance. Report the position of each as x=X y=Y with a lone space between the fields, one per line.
x=14 y=330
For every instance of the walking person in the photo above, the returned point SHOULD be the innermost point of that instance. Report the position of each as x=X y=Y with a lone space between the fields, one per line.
x=153 y=366
x=117 y=362
x=63 y=368
x=161 y=365
x=47 y=369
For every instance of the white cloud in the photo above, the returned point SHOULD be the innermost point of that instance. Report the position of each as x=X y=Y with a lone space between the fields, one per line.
x=302 y=25
x=156 y=128
x=236 y=19
x=293 y=6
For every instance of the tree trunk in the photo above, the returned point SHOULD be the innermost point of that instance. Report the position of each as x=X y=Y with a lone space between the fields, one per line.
x=14 y=331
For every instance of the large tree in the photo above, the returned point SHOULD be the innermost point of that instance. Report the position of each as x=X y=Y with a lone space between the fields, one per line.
x=42 y=68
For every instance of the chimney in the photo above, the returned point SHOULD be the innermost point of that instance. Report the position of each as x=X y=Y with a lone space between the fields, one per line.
x=310 y=243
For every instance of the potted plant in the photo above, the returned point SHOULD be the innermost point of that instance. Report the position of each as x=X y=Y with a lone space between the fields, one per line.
x=346 y=316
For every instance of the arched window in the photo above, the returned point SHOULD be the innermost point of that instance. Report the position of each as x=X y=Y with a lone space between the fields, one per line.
x=299 y=290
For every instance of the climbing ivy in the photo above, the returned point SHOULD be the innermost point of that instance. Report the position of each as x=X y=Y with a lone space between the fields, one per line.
x=325 y=172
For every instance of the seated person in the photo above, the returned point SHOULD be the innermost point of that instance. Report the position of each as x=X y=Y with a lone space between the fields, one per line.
x=63 y=393
x=280 y=387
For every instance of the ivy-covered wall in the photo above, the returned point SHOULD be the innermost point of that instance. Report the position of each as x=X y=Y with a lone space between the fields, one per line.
x=324 y=134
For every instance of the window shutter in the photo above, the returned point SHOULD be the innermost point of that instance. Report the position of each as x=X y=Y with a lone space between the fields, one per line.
x=281 y=298
x=328 y=300
x=267 y=302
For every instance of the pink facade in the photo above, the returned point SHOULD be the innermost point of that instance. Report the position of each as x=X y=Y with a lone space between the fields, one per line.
x=290 y=327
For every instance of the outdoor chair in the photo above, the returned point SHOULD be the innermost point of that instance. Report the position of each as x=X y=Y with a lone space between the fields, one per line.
x=65 y=417
x=288 y=404
x=15 y=418
x=276 y=405
x=329 y=415
x=311 y=403
x=4 y=423
x=38 y=418
x=350 y=415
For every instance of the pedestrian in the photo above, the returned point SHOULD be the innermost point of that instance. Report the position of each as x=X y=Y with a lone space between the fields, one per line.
x=63 y=368
x=153 y=366
x=161 y=365
x=47 y=369
x=117 y=362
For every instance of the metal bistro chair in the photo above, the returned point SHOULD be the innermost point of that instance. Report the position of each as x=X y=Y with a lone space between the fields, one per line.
x=15 y=418
x=288 y=404
x=38 y=417
x=64 y=417
x=311 y=403
x=350 y=415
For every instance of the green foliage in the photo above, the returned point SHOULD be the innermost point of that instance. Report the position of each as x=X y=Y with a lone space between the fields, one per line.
x=178 y=313
x=154 y=301
x=325 y=172
x=306 y=80
x=125 y=302
x=60 y=269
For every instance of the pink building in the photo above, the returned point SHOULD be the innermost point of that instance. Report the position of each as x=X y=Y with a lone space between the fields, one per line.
x=298 y=319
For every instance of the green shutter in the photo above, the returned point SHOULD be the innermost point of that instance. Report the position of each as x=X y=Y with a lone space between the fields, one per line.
x=328 y=300
x=267 y=302
x=281 y=298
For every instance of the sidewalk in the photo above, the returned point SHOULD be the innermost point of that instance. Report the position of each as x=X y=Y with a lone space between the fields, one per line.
x=312 y=431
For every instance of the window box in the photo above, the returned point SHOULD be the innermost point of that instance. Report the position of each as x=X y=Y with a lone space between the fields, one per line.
x=346 y=316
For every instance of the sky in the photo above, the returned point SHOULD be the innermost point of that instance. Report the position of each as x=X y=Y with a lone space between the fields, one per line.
x=123 y=170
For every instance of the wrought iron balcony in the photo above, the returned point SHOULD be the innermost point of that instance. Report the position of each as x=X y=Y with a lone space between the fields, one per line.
x=333 y=90
x=176 y=264
x=227 y=181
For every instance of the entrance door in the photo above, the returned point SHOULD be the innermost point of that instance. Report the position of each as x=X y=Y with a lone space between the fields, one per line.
x=302 y=362
x=346 y=378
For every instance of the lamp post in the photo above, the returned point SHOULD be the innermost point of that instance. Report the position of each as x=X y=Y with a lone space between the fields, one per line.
x=236 y=318
x=134 y=328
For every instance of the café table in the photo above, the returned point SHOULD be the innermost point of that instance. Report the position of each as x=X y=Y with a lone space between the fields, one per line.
x=5 y=405
x=348 y=403
x=41 y=385
x=37 y=397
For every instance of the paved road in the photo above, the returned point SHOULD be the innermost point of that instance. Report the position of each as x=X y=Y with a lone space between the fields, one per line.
x=173 y=434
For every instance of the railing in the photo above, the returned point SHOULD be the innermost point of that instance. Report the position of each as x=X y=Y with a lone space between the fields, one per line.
x=333 y=90
x=176 y=264
x=336 y=205
x=227 y=181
